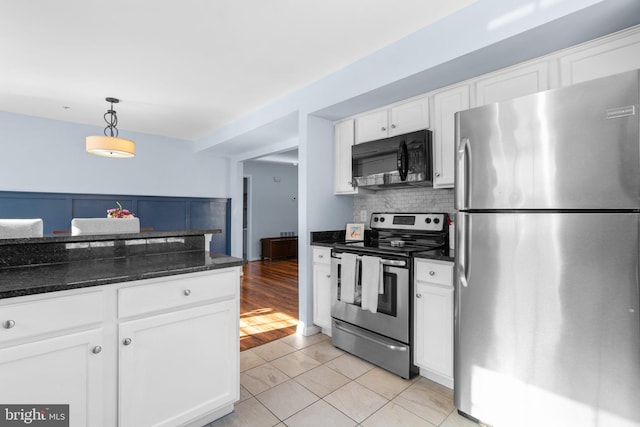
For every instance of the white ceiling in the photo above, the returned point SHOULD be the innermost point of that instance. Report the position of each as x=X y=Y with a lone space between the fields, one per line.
x=186 y=68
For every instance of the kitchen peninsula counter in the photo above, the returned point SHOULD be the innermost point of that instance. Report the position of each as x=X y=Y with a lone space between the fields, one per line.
x=49 y=264
x=80 y=316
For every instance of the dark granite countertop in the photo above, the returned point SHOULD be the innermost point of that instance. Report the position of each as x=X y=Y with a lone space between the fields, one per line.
x=326 y=238
x=431 y=255
x=36 y=279
x=66 y=238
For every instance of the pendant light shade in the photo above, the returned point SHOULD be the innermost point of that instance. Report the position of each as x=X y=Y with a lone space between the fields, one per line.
x=110 y=145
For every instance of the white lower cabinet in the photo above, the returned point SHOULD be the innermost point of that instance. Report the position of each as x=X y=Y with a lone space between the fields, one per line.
x=164 y=360
x=322 y=288
x=433 y=302
x=66 y=370
x=156 y=352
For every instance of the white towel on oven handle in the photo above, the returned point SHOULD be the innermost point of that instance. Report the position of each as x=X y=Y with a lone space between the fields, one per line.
x=348 y=273
x=371 y=278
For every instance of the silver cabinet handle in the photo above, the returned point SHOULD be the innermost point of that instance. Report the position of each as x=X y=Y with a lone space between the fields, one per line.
x=9 y=324
x=96 y=350
x=432 y=273
x=437 y=174
x=393 y=126
x=383 y=128
x=187 y=292
x=320 y=256
x=126 y=341
x=328 y=276
x=418 y=295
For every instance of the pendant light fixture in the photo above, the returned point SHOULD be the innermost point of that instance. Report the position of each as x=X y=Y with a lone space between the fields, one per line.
x=110 y=145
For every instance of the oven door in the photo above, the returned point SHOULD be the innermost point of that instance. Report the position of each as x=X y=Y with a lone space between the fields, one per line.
x=392 y=317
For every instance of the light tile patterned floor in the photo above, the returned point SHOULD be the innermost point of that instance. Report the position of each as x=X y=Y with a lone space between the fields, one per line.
x=306 y=382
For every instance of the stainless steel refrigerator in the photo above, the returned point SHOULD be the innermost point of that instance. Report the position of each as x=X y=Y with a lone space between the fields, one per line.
x=547 y=326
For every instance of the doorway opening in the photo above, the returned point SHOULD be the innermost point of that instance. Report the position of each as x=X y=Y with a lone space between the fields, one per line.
x=269 y=293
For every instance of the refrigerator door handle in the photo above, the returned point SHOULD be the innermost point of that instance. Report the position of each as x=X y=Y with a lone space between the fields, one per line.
x=462 y=173
x=462 y=248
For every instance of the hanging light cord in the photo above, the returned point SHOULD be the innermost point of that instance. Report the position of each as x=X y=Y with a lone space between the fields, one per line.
x=111 y=119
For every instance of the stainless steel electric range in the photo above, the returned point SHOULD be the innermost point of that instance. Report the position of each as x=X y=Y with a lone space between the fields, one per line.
x=372 y=287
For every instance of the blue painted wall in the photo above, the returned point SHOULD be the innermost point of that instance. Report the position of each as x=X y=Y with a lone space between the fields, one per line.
x=157 y=212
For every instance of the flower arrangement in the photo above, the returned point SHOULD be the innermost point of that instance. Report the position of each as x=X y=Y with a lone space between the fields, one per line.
x=119 y=212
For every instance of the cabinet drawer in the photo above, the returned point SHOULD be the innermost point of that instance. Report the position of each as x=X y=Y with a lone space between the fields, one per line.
x=180 y=291
x=39 y=317
x=440 y=272
x=322 y=255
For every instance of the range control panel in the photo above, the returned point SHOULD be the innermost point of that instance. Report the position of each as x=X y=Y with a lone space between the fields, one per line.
x=410 y=221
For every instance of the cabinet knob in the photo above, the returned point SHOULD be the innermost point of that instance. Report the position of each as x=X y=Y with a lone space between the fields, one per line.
x=320 y=256
x=393 y=126
x=437 y=174
x=97 y=349
x=126 y=341
x=187 y=292
x=9 y=324
x=383 y=128
x=328 y=276
x=432 y=273
x=418 y=295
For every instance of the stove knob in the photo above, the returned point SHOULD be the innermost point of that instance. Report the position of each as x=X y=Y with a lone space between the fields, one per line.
x=382 y=219
x=436 y=220
x=428 y=220
x=375 y=219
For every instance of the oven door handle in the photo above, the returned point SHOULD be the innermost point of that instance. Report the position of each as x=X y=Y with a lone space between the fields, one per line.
x=390 y=262
x=373 y=340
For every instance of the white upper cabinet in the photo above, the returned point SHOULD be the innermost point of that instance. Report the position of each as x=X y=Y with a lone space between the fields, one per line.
x=610 y=55
x=399 y=118
x=342 y=141
x=372 y=126
x=446 y=103
x=512 y=83
x=409 y=116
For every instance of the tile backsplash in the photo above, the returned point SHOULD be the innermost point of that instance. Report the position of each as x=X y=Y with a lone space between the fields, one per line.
x=419 y=199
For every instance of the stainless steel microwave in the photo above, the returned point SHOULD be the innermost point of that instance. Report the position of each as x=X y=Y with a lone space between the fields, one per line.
x=401 y=160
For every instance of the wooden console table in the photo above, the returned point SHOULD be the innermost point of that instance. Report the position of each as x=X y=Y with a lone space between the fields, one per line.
x=279 y=247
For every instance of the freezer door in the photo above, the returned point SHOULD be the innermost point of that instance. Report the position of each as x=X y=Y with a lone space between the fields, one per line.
x=571 y=148
x=547 y=327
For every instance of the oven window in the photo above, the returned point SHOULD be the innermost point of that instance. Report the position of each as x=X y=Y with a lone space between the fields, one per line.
x=387 y=301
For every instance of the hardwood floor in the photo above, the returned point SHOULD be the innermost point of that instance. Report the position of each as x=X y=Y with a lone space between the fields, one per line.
x=268 y=302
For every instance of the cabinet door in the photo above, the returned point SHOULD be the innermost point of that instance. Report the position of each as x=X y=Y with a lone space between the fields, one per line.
x=409 y=116
x=512 y=83
x=609 y=56
x=434 y=328
x=446 y=104
x=372 y=126
x=65 y=370
x=342 y=142
x=178 y=366
x=322 y=295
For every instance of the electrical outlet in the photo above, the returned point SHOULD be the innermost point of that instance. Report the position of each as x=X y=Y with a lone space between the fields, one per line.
x=363 y=215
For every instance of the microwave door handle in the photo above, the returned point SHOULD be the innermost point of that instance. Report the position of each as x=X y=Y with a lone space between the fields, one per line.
x=403 y=160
